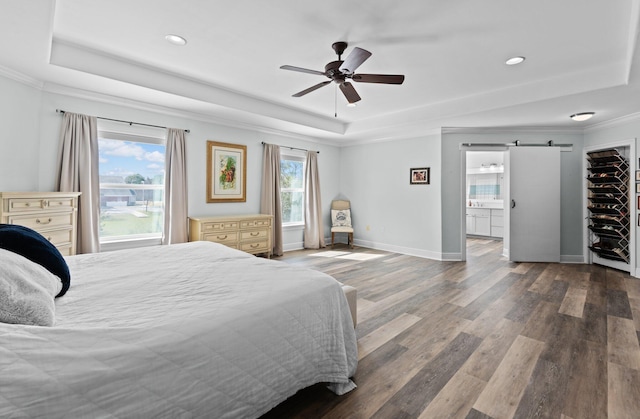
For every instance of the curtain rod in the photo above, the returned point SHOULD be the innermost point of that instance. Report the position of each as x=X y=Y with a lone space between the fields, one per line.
x=516 y=143
x=126 y=122
x=292 y=148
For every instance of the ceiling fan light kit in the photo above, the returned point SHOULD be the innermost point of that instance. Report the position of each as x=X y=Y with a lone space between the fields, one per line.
x=341 y=71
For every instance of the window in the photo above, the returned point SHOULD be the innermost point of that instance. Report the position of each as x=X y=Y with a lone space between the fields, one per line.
x=292 y=189
x=131 y=170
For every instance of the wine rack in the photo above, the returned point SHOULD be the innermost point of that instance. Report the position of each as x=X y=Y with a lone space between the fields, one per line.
x=608 y=204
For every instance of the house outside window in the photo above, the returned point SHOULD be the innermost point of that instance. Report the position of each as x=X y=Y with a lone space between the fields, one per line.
x=131 y=170
x=292 y=188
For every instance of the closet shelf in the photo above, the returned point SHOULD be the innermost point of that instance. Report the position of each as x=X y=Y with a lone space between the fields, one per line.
x=608 y=205
x=603 y=231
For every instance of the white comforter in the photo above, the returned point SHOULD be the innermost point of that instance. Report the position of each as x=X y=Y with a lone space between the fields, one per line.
x=189 y=330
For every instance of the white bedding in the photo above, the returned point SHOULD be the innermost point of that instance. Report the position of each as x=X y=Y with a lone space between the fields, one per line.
x=189 y=330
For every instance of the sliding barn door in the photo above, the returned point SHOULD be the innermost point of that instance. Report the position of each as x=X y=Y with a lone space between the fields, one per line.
x=534 y=206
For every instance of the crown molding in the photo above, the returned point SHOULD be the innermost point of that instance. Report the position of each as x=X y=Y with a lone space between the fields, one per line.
x=206 y=118
x=511 y=130
x=21 y=78
x=634 y=117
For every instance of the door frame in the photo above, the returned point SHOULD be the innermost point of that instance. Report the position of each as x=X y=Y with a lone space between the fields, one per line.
x=633 y=202
x=463 y=188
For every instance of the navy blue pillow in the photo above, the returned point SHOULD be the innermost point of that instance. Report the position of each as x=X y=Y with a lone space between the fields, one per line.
x=33 y=246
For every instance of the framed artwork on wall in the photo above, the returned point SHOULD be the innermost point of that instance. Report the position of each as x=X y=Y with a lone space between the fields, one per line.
x=419 y=176
x=226 y=172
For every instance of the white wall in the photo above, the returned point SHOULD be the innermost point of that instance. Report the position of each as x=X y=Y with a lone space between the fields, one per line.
x=30 y=141
x=388 y=212
x=19 y=140
x=571 y=185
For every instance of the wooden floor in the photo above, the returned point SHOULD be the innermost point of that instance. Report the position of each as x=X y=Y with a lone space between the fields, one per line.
x=483 y=339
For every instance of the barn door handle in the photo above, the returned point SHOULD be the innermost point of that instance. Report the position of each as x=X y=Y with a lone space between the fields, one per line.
x=513 y=203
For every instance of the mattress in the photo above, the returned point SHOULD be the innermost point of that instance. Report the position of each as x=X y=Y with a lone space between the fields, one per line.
x=187 y=330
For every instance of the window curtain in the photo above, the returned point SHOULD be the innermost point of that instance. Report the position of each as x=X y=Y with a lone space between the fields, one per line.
x=78 y=172
x=313 y=226
x=175 y=188
x=270 y=195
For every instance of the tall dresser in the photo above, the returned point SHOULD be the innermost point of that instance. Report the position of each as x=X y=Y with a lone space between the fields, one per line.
x=52 y=214
x=249 y=233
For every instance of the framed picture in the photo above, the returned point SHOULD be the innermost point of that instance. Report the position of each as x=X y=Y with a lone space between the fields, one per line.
x=637 y=174
x=638 y=187
x=419 y=176
x=638 y=207
x=226 y=172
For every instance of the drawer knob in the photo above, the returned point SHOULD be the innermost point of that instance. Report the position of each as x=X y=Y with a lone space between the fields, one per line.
x=27 y=204
x=255 y=234
x=43 y=222
x=255 y=245
x=221 y=237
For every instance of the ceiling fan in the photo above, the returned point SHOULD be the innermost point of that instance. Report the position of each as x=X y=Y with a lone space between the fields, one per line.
x=341 y=71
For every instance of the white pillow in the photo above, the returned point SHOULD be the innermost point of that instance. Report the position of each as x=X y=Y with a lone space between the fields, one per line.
x=341 y=218
x=27 y=291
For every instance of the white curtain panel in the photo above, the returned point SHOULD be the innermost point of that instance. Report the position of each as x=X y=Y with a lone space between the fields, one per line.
x=313 y=226
x=78 y=172
x=175 y=189
x=270 y=193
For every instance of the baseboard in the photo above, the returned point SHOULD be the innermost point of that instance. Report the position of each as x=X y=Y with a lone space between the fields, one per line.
x=404 y=250
x=572 y=259
x=444 y=257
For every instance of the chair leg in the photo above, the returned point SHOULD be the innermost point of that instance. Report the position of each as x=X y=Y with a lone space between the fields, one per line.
x=332 y=237
x=351 y=239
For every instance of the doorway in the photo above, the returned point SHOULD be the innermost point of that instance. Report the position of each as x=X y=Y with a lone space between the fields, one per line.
x=485 y=185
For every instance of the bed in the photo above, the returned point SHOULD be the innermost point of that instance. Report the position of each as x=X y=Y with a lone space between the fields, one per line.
x=187 y=330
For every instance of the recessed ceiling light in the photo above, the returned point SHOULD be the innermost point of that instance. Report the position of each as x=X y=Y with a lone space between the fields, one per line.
x=175 y=40
x=582 y=116
x=351 y=105
x=514 y=60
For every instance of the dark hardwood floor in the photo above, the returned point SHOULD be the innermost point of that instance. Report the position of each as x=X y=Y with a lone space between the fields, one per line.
x=483 y=339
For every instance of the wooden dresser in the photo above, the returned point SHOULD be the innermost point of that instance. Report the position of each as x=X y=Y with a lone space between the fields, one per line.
x=52 y=214
x=249 y=233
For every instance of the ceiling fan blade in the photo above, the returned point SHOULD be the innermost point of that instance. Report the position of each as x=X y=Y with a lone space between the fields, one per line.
x=379 y=78
x=349 y=92
x=301 y=70
x=312 y=88
x=353 y=61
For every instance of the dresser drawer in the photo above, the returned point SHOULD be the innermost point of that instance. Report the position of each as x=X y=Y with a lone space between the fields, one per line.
x=219 y=226
x=66 y=250
x=60 y=203
x=16 y=205
x=255 y=223
x=44 y=221
x=253 y=234
x=253 y=247
x=224 y=238
x=58 y=237
x=26 y=204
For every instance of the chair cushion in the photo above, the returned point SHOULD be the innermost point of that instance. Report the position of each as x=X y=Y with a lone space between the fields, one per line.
x=342 y=229
x=341 y=218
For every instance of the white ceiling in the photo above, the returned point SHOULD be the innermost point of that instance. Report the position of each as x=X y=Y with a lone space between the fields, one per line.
x=580 y=56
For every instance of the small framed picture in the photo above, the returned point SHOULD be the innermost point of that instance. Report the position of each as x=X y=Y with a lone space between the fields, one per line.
x=638 y=220
x=638 y=175
x=637 y=187
x=419 y=176
x=638 y=207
